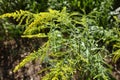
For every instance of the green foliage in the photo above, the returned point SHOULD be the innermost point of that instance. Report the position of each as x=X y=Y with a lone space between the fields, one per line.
x=31 y=5
x=10 y=31
x=84 y=6
x=103 y=7
x=116 y=55
x=78 y=42
x=36 y=6
x=116 y=45
x=71 y=46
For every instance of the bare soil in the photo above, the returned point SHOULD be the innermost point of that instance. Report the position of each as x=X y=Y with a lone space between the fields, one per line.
x=12 y=52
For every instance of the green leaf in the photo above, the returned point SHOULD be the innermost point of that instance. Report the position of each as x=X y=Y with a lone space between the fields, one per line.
x=116 y=55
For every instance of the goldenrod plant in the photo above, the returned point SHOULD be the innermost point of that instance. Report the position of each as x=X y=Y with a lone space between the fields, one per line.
x=71 y=45
x=77 y=42
x=8 y=27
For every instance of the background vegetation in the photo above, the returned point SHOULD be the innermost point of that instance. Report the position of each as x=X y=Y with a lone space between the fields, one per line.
x=81 y=36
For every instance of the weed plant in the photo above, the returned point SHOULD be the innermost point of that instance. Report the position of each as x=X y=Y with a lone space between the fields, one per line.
x=8 y=27
x=77 y=42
